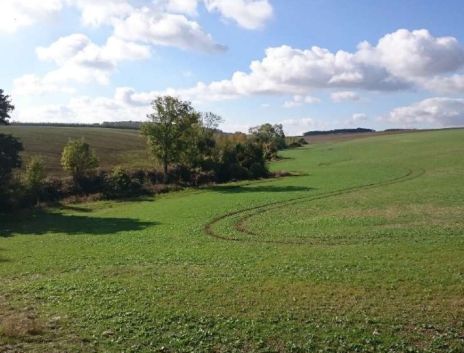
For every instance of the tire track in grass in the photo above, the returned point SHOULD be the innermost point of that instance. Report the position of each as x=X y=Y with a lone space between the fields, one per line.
x=254 y=211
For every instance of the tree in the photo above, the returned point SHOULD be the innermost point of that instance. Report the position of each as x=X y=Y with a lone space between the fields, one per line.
x=34 y=176
x=78 y=159
x=5 y=108
x=172 y=126
x=201 y=142
x=10 y=147
x=240 y=160
x=271 y=137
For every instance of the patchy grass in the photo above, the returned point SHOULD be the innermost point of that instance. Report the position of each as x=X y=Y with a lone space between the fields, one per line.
x=361 y=252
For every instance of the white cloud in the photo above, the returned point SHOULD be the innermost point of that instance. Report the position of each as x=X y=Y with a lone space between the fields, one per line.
x=343 y=96
x=286 y=70
x=299 y=100
x=16 y=14
x=79 y=60
x=438 y=111
x=85 y=110
x=298 y=126
x=157 y=28
x=357 y=119
x=447 y=84
x=249 y=14
x=34 y=85
x=95 y=13
x=416 y=53
x=188 y=7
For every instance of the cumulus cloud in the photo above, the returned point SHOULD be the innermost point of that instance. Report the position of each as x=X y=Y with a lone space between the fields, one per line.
x=16 y=14
x=158 y=28
x=357 y=119
x=299 y=100
x=447 y=84
x=249 y=14
x=188 y=7
x=101 y=12
x=298 y=126
x=343 y=96
x=437 y=111
x=79 y=60
x=416 y=53
x=287 y=70
x=33 y=84
x=85 y=110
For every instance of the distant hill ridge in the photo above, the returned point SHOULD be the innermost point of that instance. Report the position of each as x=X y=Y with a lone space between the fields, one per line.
x=338 y=131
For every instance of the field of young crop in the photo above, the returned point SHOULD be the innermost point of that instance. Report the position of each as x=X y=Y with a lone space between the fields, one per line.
x=363 y=251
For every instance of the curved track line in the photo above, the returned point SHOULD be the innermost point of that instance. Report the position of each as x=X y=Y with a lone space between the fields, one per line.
x=240 y=227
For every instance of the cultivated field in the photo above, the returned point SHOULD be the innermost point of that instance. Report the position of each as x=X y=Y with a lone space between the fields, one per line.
x=114 y=147
x=362 y=252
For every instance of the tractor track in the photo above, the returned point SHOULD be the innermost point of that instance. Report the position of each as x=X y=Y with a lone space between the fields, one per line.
x=254 y=211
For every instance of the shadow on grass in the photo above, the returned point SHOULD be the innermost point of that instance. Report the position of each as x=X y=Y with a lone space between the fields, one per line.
x=75 y=208
x=41 y=222
x=236 y=189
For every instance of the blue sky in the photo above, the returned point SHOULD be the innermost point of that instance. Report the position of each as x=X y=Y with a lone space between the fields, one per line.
x=294 y=62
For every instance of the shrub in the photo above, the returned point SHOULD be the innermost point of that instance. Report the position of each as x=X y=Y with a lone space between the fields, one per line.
x=119 y=184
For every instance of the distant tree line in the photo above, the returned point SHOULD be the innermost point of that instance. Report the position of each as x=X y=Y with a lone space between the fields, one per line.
x=187 y=147
x=131 y=125
x=338 y=131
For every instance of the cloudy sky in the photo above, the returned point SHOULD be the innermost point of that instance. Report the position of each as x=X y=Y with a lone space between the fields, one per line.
x=309 y=64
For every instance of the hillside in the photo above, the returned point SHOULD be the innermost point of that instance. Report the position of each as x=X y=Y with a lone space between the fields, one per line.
x=360 y=253
x=122 y=147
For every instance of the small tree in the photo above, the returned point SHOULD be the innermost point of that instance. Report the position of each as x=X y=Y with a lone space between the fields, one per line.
x=78 y=159
x=10 y=147
x=34 y=177
x=5 y=108
x=171 y=127
x=271 y=137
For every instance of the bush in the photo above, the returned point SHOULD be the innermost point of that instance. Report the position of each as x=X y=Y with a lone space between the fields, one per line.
x=120 y=184
x=293 y=142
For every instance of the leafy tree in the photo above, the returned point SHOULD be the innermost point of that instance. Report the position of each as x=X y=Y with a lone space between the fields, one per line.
x=5 y=108
x=10 y=147
x=201 y=142
x=271 y=137
x=172 y=126
x=78 y=159
x=241 y=160
x=34 y=176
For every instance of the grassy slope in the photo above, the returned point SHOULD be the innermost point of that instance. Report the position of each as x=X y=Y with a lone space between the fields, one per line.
x=113 y=146
x=372 y=267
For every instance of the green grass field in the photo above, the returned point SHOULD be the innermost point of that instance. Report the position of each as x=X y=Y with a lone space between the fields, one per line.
x=114 y=147
x=363 y=252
